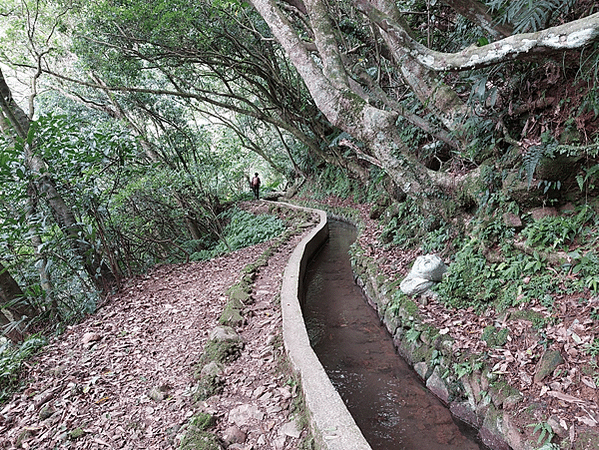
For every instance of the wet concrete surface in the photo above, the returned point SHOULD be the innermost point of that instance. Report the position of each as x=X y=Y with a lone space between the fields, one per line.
x=384 y=395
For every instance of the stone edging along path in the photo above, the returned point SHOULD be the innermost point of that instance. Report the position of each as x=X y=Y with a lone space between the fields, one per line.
x=332 y=425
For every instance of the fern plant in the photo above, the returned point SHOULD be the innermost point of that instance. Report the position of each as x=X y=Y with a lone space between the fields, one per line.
x=535 y=153
x=545 y=432
x=528 y=15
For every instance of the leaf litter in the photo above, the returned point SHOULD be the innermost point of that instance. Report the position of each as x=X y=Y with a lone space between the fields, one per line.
x=123 y=377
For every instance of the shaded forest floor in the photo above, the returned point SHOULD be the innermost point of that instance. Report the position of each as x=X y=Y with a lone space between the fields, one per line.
x=124 y=377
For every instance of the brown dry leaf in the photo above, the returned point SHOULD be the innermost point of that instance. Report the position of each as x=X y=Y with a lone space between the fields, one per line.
x=589 y=382
x=565 y=397
x=544 y=390
x=587 y=420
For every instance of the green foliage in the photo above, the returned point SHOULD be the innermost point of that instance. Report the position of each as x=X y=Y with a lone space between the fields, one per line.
x=548 y=148
x=196 y=439
x=406 y=226
x=467 y=367
x=529 y=16
x=550 y=232
x=559 y=231
x=437 y=240
x=545 y=432
x=588 y=178
x=412 y=335
x=469 y=281
x=333 y=180
x=550 y=446
x=586 y=266
x=76 y=157
x=243 y=230
x=479 y=131
x=409 y=133
x=11 y=359
x=593 y=347
x=472 y=281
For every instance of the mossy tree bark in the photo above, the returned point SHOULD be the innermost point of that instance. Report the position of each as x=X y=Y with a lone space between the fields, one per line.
x=323 y=63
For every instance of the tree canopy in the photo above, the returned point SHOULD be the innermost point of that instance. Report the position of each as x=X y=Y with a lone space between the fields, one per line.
x=127 y=126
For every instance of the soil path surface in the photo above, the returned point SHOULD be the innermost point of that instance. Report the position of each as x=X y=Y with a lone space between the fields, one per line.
x=123 y=378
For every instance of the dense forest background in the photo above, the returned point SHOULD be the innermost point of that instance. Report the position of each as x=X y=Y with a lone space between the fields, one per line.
x=130 y=128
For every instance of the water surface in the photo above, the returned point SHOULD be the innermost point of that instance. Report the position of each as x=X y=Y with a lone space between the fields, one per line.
x=384 y=395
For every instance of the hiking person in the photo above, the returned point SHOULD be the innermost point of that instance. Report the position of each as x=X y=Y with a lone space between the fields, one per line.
x=255 y=185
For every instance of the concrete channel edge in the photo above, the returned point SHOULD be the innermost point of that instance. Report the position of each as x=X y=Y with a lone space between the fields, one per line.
x=332 y=425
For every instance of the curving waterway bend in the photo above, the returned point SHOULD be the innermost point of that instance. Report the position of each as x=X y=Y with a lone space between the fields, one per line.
x=387 y=400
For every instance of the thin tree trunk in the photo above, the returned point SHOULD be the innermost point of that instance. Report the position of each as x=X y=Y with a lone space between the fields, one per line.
x=62 y=213
x=478 y=13
x=40 y=260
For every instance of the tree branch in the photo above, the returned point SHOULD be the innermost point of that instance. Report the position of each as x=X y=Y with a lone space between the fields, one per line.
x=569 y=36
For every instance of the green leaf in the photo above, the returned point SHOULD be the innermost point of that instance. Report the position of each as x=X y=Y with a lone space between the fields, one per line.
x=31 y=133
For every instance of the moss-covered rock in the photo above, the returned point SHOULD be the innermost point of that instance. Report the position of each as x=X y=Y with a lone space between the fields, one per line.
x=209 y=381
x=500 y=391
x=197 y=437
x=495 y=337
x=548 y=363
x=232 y=313
x=240 y=291
x=202 y=421
x=224 y=345
x=491 y=431
x=76 y=433
x=199 y=440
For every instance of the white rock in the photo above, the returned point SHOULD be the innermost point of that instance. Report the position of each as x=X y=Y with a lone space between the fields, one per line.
x=243 y=414
x=429 y=267
x=415 y=286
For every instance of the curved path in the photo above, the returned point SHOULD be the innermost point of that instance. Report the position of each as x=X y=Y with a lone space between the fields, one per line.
x=123 y=378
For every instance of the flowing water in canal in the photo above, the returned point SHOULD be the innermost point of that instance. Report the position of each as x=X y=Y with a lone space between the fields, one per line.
x=388 y=401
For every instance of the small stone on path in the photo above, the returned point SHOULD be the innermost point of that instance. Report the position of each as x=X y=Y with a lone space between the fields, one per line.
x=243 y=414
x=291 y=429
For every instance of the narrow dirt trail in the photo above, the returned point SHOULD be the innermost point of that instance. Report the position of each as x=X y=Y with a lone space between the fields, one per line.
x=123 y=378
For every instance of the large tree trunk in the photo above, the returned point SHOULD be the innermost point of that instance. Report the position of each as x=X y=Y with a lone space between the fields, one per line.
x=321 y=65
x=345 y=109
x=549 y=42
x=62 y=213
x=428 y=87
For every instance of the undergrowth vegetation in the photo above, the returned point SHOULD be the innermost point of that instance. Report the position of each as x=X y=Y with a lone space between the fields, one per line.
x=494 y=265
x=11 y=359
x=243 y=229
